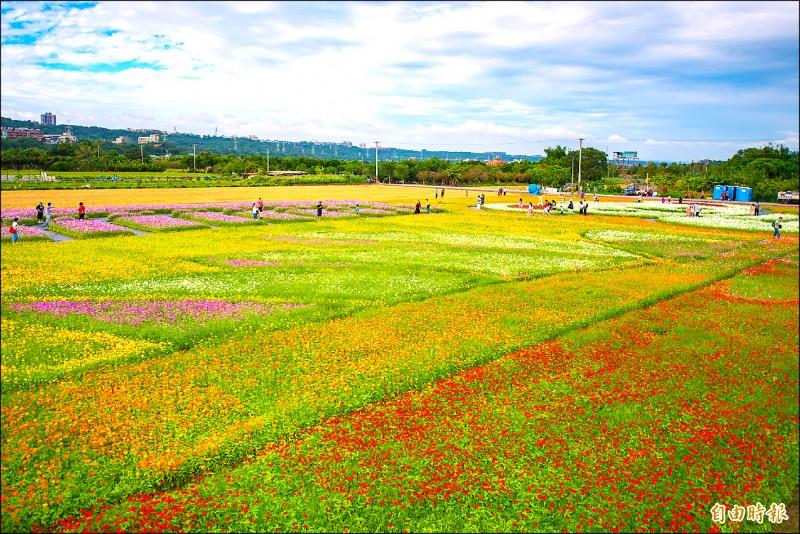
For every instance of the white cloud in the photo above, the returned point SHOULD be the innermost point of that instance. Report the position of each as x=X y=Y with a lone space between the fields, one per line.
x=476 y=73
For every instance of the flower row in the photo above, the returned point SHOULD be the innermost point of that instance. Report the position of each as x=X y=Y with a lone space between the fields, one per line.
x=154 y=312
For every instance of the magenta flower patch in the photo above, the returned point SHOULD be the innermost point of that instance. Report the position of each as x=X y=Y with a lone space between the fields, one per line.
x=215 y=216
x=280 y=215
x=24 y=231
x=160 y=312
x=158 y=221
x=88 y=226
x=251 y=263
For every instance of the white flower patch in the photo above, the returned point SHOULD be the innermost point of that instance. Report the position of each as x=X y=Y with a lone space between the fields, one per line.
x=733 y=217
x=585 y=248
x=732 y=223
x=617 y=236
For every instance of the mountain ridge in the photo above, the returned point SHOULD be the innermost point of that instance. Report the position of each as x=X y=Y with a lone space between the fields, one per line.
x=182 y=143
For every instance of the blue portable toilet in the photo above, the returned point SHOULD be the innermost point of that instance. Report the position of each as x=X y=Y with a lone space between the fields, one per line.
x=744 y=194
x=717 y=194
x=534 y=189
x=731 y=192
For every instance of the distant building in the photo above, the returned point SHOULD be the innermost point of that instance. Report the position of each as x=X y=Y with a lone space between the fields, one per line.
x=21 y=133
x=154 y=138
x=67 y=136
x=496 y=162
x=122 y=139
x=48 y=119
x=50 y=139
x=253 y=137
x=348 y=144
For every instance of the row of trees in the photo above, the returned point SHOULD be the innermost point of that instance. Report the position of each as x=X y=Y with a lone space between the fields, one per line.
x=767 y=170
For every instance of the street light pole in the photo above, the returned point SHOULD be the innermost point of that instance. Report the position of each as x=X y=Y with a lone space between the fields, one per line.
x=580 y=155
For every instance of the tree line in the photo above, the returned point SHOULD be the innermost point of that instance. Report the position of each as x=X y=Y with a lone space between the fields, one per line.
x=767 y=169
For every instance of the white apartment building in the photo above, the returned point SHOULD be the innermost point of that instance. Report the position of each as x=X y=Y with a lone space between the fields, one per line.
x=145 y=139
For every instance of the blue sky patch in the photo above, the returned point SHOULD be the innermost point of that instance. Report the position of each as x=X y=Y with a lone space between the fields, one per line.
x=100 y=67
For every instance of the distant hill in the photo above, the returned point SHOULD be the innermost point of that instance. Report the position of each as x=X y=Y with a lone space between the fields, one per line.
x=181 y=143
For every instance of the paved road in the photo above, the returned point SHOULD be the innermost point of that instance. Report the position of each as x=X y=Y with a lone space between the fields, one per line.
x=56 y=237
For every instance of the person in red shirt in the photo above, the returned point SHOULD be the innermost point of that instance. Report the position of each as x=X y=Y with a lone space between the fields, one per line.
x=81 y=210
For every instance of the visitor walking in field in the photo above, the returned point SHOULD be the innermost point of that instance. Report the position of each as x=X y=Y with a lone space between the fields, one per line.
x=418 y=208
x=48 y=214
x=14 y=230
x=776 y=226
x=530 y=208
x=81 y=211
x=758 y=209
x=255 y=211
x=427 y=207
x=260 y=205
x=39 y=212
x=319 y=210
x=358 y=209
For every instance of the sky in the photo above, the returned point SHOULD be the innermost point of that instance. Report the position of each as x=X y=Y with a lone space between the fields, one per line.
x=675 y=81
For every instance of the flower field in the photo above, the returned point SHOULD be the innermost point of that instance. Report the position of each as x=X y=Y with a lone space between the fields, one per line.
x=155 y=223
x=85 y=227
x=732 y=217
x=458 y=371
x=25 y=232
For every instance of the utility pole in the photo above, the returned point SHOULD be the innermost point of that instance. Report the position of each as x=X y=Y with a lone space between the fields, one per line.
x=608 y=166
x=268 y=161
x=376 y=162
x=141 y=149
x=194 y=157
x=580 y=155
